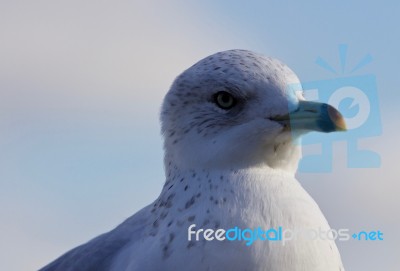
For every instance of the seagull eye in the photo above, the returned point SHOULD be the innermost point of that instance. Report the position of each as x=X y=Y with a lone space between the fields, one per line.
x=224 y=100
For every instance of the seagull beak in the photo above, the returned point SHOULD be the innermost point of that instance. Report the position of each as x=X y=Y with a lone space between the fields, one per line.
x=313 y=116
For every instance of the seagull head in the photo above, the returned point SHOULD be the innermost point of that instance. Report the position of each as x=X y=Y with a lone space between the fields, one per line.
x=238 y=109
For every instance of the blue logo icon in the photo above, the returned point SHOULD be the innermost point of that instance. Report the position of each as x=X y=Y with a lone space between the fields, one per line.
x=356 y=97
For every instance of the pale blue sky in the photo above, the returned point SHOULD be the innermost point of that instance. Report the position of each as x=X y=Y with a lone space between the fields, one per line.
x=81 y=83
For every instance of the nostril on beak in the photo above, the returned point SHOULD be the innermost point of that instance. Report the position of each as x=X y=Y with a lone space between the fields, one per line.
x=311 y=110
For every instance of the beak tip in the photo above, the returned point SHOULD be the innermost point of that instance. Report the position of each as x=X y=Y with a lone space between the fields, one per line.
x=337 y=118
x=341 y=127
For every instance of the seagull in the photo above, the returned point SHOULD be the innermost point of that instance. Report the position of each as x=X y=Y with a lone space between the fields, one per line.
x=231 y=125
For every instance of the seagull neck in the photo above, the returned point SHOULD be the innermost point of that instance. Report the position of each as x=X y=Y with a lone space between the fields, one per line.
x=201 y=177
x=192 y=196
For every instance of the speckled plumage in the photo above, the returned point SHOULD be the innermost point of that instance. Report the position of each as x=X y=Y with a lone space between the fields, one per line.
x=224 y=168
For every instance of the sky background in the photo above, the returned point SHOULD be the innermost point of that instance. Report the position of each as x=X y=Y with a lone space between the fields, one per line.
x=81 y=83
